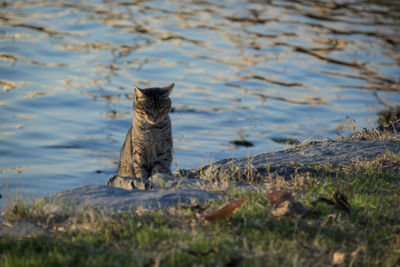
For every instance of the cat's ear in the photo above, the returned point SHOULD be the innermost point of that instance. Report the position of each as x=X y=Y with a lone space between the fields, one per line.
x=168 y=88
x=138 y=92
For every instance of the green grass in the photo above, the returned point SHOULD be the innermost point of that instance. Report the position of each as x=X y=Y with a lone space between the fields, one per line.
x=368 y=236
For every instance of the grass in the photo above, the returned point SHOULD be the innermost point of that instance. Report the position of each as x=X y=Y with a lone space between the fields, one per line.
x=370 y=135
x=368 y=235
x=364 y=134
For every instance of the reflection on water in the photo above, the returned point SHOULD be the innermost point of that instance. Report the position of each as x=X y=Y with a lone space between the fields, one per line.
x=255 y=71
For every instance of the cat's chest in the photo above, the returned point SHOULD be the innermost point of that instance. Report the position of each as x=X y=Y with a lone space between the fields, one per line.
x=152 y=144
x=152 y=138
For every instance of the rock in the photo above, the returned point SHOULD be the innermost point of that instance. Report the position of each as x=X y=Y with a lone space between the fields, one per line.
x=163 y=190
x=158 y=181
x=124 y=194
x=286 y=163
x=110 y=199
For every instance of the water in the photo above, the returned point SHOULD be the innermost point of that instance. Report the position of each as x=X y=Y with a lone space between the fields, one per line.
x=253 y=70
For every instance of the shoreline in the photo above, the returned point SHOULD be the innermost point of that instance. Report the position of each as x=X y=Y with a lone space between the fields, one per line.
x=211 y=183
x=197 y=186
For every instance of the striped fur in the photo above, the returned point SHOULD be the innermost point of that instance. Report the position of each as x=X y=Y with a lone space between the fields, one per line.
x=148 y=145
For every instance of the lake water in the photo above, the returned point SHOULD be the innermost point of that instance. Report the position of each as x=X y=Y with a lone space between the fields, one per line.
x=251 y=70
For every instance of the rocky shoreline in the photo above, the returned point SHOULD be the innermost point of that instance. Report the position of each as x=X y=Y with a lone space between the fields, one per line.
x=189 y=188
x=212 y=182
x=297 y=160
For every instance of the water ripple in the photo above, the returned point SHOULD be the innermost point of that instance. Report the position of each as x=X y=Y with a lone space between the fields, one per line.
x=260 y=71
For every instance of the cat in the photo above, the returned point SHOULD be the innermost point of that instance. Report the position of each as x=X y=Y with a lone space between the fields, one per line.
x=148 y=147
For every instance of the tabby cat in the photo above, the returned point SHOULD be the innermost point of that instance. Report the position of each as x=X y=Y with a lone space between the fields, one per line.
x=148 y=145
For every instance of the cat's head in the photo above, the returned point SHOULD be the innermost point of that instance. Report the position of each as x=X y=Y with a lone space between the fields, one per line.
x=153 y=104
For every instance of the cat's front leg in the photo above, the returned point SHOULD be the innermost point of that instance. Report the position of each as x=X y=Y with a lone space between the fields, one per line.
x=161 y=167
x=140 y=168
x=141 y=173
x=125 y=167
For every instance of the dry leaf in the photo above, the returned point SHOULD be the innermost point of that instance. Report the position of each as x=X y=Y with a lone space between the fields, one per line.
x=276 y=197
x=225 y=211
x=338 y=258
